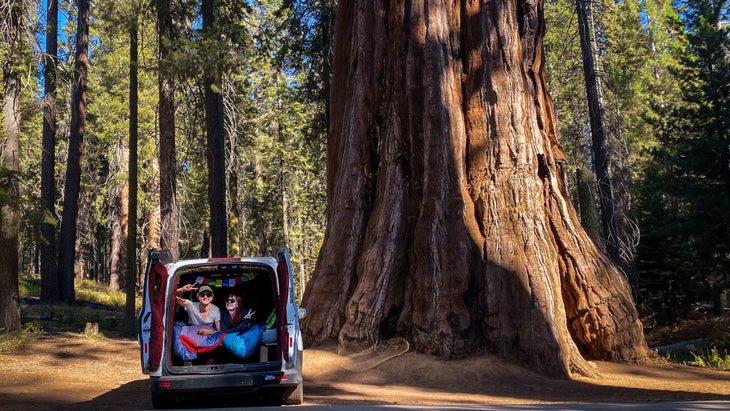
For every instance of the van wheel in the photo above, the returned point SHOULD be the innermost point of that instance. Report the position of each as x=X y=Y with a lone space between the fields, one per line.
x=162 y=400
x=293 y=395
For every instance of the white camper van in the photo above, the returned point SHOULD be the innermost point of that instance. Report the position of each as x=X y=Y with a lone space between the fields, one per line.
x=180 y=359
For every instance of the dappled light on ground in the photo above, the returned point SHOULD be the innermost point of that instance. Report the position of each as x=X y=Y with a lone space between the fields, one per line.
x=76 y=372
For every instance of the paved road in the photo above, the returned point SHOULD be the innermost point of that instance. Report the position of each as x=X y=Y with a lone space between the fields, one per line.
x=653 y=406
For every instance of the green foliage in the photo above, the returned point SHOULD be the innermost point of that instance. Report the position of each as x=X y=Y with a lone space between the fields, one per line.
x=98 y=293
x=712 y=358
x=685 y=251
x=15 y=341
x=29 y=286
x=262 y=56
x=95 y=303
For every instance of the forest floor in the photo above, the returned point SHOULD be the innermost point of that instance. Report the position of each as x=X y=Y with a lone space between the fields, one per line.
x=62 y=370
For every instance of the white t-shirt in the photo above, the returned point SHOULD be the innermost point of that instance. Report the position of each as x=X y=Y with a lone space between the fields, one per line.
x=194 y=317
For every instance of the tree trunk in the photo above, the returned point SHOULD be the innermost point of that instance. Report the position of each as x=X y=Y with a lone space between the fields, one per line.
x=448 y=223
x=216 y=146
x=131 y=274
x=600 y=140
x=50 y=289
x=169 y=214
x=72 y=187
x=12 y=36
x=120 y=221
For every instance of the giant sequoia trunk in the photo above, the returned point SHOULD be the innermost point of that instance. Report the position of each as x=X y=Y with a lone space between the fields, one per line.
x=447 y=220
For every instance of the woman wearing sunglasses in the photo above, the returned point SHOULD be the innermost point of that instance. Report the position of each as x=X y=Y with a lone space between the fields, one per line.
x=233 y=318
x=204 y=312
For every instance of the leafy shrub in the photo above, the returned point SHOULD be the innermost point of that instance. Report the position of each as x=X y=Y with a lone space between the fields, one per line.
x=712 y=358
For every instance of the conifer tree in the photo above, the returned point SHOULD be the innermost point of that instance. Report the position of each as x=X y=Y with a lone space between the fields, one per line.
x=12 y=55
x=50 y=285
x=686 y=195
x=72 y=187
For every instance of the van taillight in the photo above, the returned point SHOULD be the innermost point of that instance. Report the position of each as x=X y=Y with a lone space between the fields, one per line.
x=165 y=384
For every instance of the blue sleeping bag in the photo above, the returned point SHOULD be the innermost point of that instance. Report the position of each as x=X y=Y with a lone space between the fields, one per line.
x=242 y=345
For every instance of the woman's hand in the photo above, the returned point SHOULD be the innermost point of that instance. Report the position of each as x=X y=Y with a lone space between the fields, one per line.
x=250 y=314
x=205 y=331
x=186 y=287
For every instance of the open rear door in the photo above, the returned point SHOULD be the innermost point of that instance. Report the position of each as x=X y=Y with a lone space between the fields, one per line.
x=289 y=333
x=151 y=317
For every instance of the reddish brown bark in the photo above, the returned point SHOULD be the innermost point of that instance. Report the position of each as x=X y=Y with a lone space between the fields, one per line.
x=447 y=220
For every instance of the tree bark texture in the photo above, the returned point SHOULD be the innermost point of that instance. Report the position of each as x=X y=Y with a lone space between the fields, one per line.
x=50 y=290
x=12 y=35
x=215 y=133
x=72 y=187
x=169 y=214
x=448 y=222
x=131 y=274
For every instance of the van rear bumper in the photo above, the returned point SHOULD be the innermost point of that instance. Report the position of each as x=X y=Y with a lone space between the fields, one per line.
x=222 y=382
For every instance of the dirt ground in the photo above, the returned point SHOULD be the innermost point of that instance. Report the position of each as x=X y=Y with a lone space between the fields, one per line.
x=76 y=372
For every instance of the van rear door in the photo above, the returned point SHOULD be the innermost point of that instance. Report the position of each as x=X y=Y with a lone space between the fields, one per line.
x=289 y=333
x=152 y=314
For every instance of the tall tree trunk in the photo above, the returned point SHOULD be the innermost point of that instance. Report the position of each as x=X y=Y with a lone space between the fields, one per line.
x=72 y=188
x=131 y=275
x=448 y=223
x=11 y=31
x=234 y=231
x=120 y=221
x=50 y=281
x=169 y=214
x=600 y=138
x=326 y=29
x=216 y=145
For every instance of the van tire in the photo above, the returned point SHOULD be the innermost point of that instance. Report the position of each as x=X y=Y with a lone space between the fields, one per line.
x=293 y=395
x=162 y=401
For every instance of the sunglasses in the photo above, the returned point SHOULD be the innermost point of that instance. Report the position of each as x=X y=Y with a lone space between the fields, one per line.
x=205 y=294
x=230 y=300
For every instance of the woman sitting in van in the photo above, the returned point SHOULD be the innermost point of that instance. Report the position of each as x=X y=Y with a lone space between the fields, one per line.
x=242 y=334
x=232 y=318
x=202 y=313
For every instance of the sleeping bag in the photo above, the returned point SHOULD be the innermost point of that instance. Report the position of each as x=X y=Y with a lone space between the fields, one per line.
x=187 y=343
x=242 y=345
